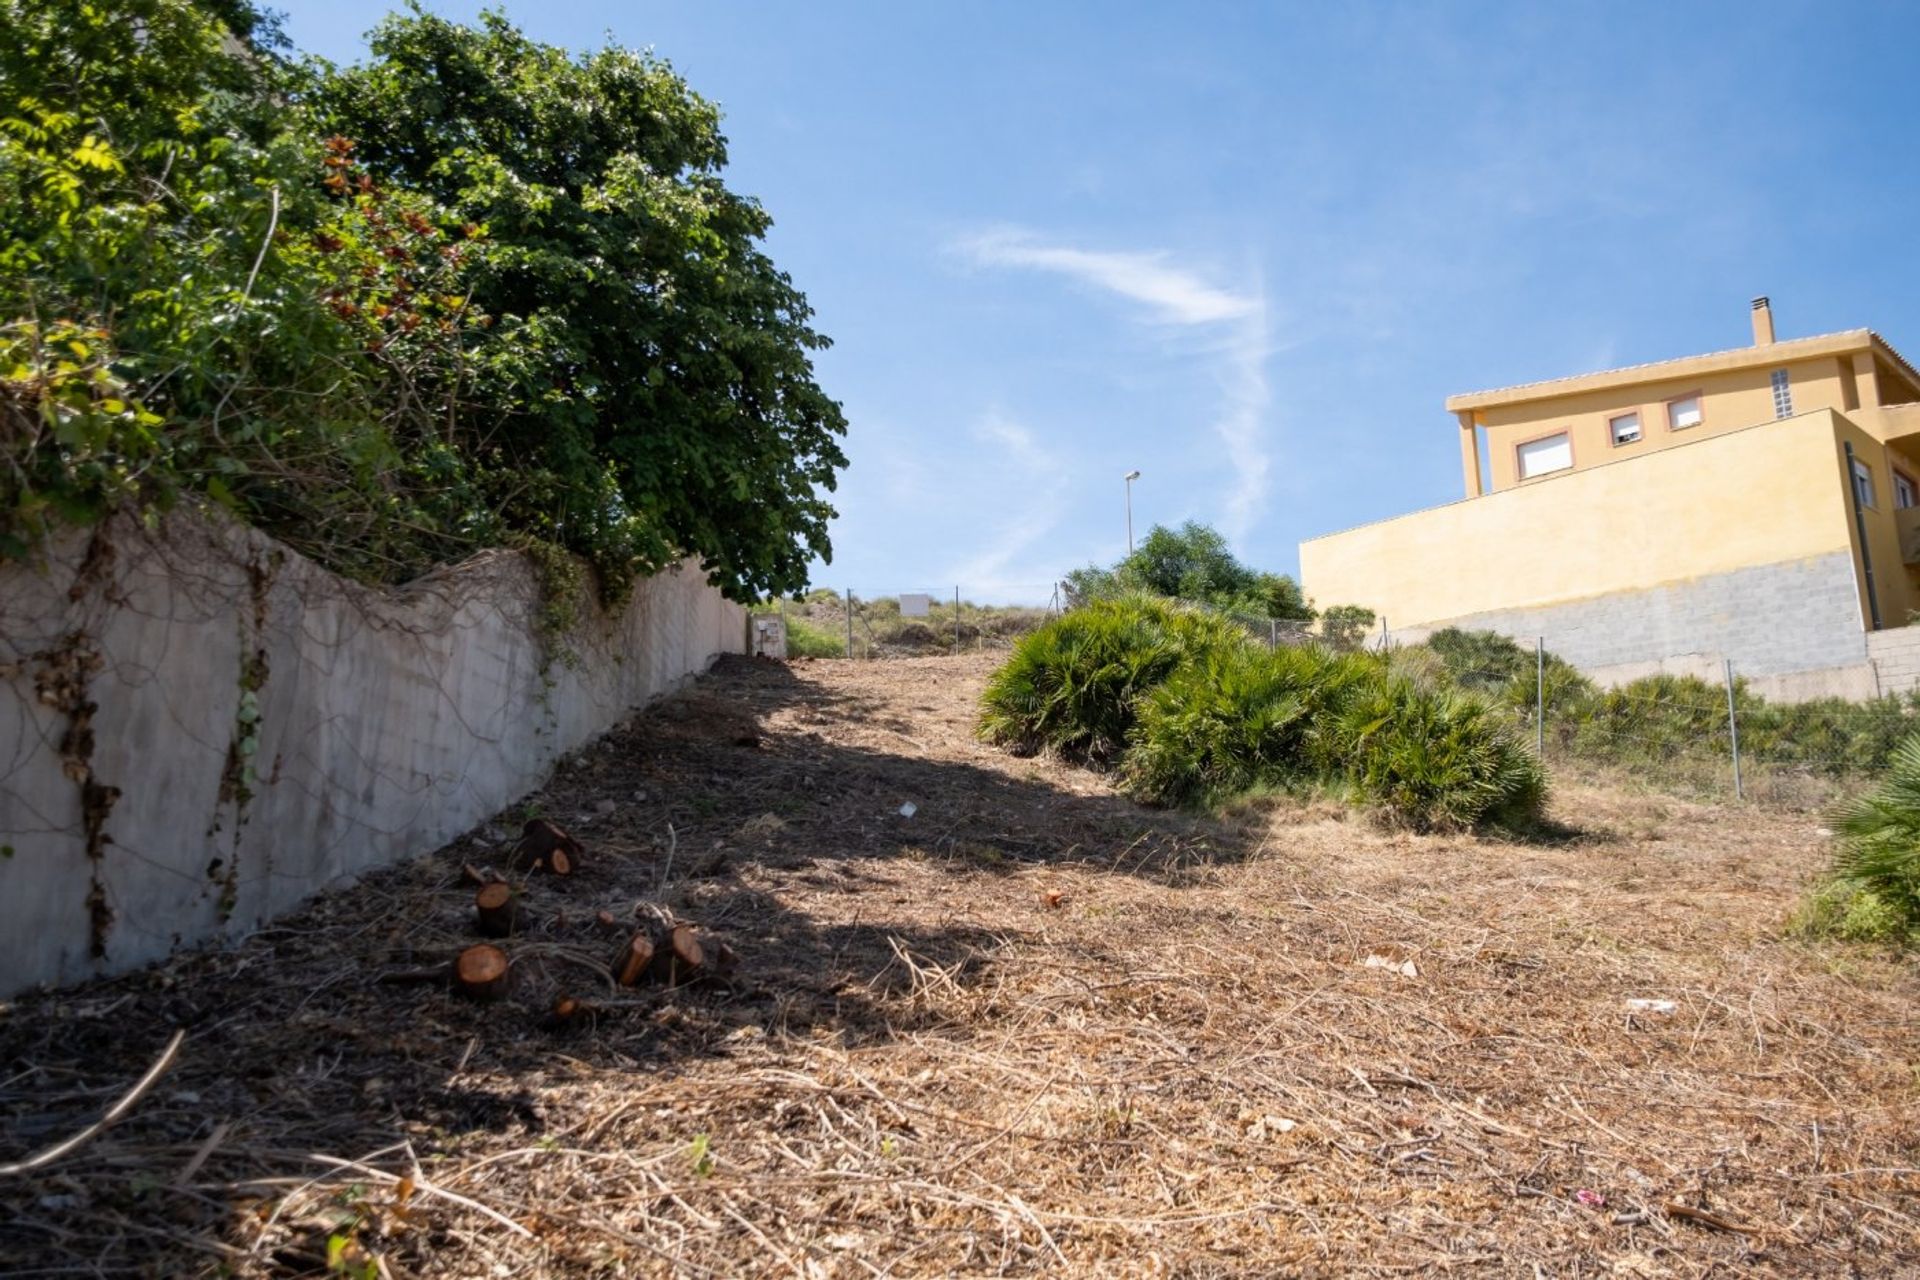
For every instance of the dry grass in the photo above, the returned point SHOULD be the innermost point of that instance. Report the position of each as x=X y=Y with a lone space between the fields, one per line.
x=1031 y=1028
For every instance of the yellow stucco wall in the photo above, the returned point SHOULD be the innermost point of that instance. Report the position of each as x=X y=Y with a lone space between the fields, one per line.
x=1731 y=400
x=1894 y=586
x=1713 y=504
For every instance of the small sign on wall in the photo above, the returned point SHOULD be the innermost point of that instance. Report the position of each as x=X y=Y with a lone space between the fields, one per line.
x=915 y=605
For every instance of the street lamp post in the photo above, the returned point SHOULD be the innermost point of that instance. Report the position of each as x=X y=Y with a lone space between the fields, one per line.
x=1130 y=477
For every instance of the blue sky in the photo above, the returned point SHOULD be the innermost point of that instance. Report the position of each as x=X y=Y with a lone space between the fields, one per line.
x=1248 y=248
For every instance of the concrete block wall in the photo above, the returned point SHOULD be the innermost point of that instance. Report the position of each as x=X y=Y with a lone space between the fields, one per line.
x=1895 y=655
x=142 y=670
x=1792 y=629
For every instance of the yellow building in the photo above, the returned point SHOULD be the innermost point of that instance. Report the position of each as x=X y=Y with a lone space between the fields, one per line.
x=1759 y=505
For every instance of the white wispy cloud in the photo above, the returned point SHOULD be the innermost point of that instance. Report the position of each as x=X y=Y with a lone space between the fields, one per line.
x=1015 y=439
x=1179 y=296
x=1232 y=322
x=1243 y=424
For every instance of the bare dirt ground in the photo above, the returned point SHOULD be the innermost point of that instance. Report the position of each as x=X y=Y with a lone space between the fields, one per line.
x=1031 y=1028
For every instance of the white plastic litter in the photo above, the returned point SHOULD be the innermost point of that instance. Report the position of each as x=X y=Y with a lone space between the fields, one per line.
x=1405 y=968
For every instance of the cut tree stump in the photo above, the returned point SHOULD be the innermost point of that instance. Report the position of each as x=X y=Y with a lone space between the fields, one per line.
x=681 y=957
x=568 y=1012
x=631 y=965
x=670 y=951
x=498 y=907
x=546 y=846
x=480 y=972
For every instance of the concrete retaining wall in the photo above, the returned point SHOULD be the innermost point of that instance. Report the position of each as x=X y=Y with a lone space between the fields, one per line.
x=1791 y=629
x=199 y=729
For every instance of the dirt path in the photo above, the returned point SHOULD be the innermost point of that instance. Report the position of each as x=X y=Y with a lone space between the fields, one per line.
x=1030 y=1028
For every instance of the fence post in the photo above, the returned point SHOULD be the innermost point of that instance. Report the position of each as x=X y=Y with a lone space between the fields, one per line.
x=1540 y=695
x=1273 y=633
x=956 y=622
x=849 y=622
x=1733 y=734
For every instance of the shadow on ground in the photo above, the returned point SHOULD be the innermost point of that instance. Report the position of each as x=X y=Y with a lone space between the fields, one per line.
x=776 y=795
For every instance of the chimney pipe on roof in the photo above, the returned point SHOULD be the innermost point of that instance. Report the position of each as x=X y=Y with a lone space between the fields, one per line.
x=1762 y=322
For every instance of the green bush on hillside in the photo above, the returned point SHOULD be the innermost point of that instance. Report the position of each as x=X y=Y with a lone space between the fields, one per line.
x=1073 y=685
x=1875 y=892
x=1236 y=718
x=1830 y=736
x=1435 y=759
x=1193 y=711
x=807 y=641
x=1655 y=718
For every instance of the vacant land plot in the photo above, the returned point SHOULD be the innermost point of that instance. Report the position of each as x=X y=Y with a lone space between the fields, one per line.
x=1028 y=1028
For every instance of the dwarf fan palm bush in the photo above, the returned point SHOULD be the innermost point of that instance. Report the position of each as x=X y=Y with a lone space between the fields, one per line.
x=1235 y=718
x=1435 y=759
x=1878 y=866
x=1073 y=686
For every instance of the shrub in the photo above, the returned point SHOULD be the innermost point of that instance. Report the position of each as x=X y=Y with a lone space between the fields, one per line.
x=1483 y=661
x=1877 y=868
x=1434 y=759
x=1851 y=911
x=1345 y=626
x=1655 y=718
x=1234 y=718
x=1829 y=735
x=807 y=641
x=1074 y=684
x=1490 y=663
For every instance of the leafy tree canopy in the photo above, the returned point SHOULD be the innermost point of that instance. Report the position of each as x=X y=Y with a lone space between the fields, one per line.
x=665 y=347
x=1194 y=563
x=475 y=291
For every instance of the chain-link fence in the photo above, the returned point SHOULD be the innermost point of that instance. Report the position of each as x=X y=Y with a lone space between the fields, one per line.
x=1681 y=733
x=1684 y=733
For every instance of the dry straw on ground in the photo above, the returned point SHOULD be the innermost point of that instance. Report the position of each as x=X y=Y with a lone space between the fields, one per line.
x=1029 y=1029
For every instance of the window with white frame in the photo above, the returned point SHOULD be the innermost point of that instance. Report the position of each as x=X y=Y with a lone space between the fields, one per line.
x=1782 y=395
x=1863 y=483
x=1683 y=413
x=1538 y=457
x=1624 y=428
x=1904 y=494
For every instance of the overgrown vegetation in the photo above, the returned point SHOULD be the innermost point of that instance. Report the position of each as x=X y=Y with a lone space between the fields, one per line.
x=1074 y=686
x=1874 y=891
x=1436 y=757
x=1668 y=720
x=1192 y=710
x=817 y=625
x=1240 y=716
x=476 y=291
x=1193 y=564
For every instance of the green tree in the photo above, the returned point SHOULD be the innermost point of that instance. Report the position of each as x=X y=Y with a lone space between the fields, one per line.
x=524 y=309
x=1190 y=563
x=1345 y=626
x=1090 y=583
x=1193 y=563
x=1279 y=596
x=653 y=380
